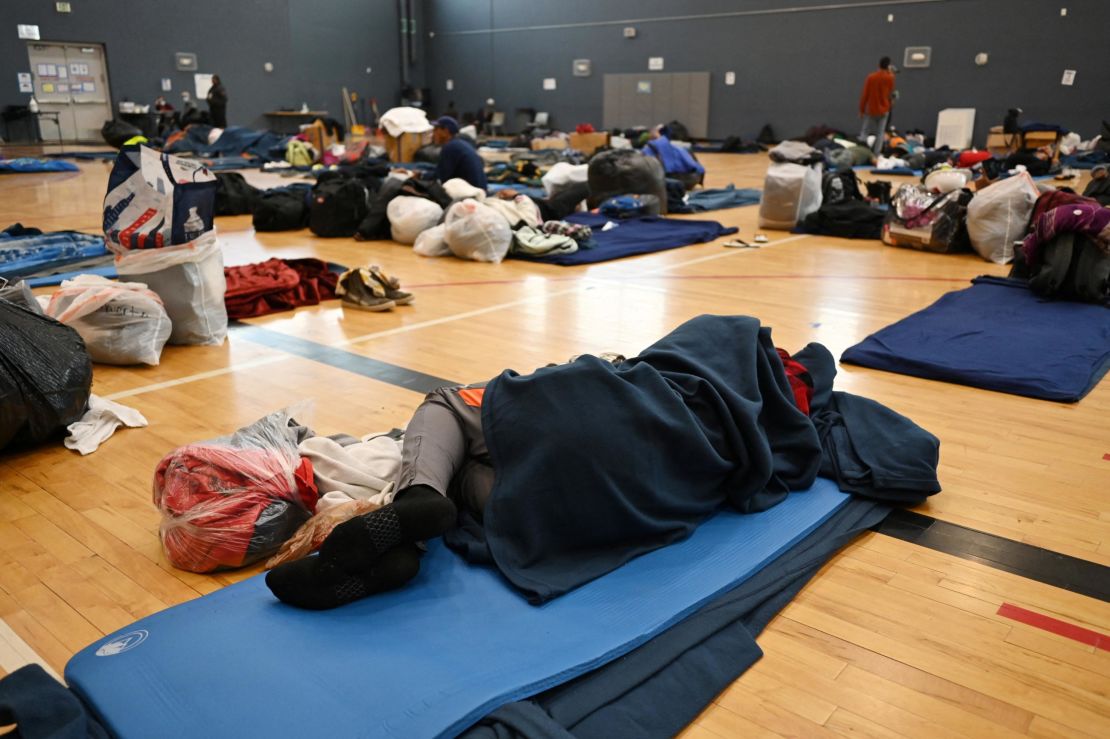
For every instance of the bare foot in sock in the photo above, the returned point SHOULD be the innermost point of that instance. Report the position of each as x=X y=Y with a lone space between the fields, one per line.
x=417 y=513
x=317 y=584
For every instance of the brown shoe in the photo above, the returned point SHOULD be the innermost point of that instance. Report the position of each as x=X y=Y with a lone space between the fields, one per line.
x=357 y=289
x=392 y=286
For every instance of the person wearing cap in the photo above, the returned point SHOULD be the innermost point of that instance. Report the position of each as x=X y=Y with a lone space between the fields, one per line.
x=457 y=155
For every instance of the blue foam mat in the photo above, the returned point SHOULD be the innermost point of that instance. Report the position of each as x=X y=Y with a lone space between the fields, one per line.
x=426 y=660
x=997 y=335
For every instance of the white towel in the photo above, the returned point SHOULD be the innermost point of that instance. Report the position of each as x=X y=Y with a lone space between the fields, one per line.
x=367 y=470
x=99 y=422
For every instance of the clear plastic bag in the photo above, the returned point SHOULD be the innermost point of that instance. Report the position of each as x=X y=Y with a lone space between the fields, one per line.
x=476 y=231
x=431 y=243
x=409 y=217
x=232 y=501
x=190 y=280
x=790 y=193
x=998 y=215
x=312 y=533
x=459 y=189
x=120 y=322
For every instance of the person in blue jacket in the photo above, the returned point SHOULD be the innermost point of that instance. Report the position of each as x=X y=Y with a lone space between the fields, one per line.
x=678 y=163
x=457 y=157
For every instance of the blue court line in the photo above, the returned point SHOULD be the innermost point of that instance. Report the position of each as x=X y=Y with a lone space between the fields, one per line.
x=375 y=369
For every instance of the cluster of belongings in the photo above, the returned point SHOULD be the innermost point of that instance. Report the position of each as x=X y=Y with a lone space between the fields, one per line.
x=158 y=214
x=273 y=485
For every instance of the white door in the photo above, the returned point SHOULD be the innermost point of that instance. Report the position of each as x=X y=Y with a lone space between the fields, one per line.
x=72 y=81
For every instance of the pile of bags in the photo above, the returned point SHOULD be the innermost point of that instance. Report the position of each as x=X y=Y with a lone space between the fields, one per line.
x=158 y=221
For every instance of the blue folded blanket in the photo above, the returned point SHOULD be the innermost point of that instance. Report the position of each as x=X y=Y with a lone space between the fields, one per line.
x=634 y=236
x=997 y=335
x=29 y=251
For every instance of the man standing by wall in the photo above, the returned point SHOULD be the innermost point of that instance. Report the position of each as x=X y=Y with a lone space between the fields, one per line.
x=874 y=103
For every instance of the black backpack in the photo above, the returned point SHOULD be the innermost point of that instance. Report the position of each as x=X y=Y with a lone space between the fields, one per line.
x=337 y=206
x=234 y=196
x=847 y=219
x=1069 y=267
x=281 y=209
x=840 y=186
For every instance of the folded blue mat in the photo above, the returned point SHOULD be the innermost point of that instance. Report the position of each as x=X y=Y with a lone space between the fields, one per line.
x=426 y=660
x=997 y=335
x=28 y=251
x=27 y=165
x=633 y=236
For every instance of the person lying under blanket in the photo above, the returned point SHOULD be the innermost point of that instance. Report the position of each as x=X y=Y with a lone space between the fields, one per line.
x=560 y=476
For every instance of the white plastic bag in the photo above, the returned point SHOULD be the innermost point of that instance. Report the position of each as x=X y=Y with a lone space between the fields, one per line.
x=190 y=280
x=431 y=243
x=409 y=217
x=120 y=322
x=790 y=193
x=476 y=231
x=156 y=200
x=459 y=189
x=998 y=214
x=562 y=174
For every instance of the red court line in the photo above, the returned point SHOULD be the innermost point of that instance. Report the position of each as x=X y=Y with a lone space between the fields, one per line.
x=1055 y=626
x=895 y=278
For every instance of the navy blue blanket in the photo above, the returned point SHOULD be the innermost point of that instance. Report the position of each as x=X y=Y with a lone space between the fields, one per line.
x=234 y=141
x=634 y=236
x=997 y=335
x=702 y=417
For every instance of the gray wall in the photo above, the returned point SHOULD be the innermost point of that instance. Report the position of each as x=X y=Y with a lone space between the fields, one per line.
x=793 y=69
x=316 y=47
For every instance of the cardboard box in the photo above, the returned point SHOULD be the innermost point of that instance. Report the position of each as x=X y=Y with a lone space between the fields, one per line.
x=1001 y=144
x=588 y=143
x=555 y=142
x=403 y=148
x=1037 y=139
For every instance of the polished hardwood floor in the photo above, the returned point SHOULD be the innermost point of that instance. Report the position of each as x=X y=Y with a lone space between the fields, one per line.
x=890 y=639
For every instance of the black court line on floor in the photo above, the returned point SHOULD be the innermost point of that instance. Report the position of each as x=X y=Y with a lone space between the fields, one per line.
x=375 y=369
x=1034 y=563
x=1031 y=562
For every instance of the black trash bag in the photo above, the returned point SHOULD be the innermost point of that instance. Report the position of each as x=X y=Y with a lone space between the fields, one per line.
x=45 y=376
x=116 y=133
x=234 y=195
x=20 y=294
x=625 y=172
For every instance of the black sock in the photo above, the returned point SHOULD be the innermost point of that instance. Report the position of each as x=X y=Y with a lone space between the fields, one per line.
x=417 y=513
x=317 y=584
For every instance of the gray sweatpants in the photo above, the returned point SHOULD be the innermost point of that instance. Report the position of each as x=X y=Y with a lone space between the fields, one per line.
x=445 y=448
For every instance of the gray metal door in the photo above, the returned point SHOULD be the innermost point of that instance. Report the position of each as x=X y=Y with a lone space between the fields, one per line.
x=650 y=98
x=72 y=81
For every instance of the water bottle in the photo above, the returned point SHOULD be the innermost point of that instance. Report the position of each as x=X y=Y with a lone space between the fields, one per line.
x=194 y=225
x=33 y=106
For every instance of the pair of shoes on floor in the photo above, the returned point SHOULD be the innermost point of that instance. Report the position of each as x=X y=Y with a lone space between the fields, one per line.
x=370 y=288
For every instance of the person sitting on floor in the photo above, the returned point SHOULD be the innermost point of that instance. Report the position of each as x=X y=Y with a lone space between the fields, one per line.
x=457 y=157
x=678 y=163
x=513 y=472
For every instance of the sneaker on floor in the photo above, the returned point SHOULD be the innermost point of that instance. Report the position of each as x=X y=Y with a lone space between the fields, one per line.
x=358 y=289
x=392 y=286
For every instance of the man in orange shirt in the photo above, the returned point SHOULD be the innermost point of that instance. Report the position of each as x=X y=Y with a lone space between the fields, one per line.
x=874 y=103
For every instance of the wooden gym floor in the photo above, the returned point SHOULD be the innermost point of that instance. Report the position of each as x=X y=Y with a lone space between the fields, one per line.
x=892 y=638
